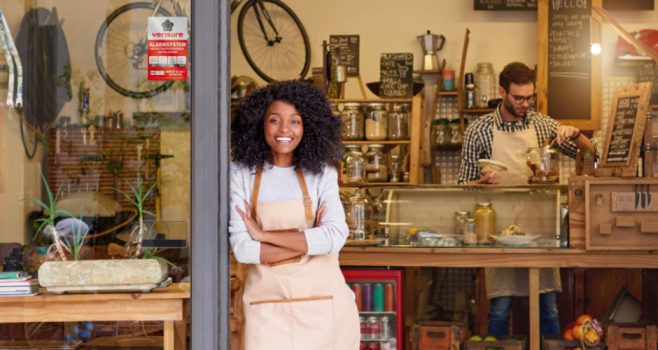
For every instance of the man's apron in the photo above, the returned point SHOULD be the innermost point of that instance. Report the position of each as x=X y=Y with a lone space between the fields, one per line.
x=301 y=303
x=510 y=148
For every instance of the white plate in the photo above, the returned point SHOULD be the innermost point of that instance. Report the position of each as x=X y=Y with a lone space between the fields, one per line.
x=497 y=165
x=517 y=241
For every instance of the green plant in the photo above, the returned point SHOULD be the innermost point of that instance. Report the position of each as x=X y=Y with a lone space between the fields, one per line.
x=153 y=254
x=138 y=198
x=46 y=225
x=76 y=240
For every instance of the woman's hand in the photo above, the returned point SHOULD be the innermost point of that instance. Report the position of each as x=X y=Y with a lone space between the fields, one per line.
x=252 y=226
x=319 y=215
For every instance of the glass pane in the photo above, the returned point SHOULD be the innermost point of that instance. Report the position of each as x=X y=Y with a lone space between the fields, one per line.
x=95 y=158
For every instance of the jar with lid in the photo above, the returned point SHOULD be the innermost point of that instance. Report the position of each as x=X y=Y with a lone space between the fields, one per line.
x=440 y=134
x=395 y=168
x=469 y=231
x=376 y=122
x=352 y=117
x=485 y=222
x=460 y=221
x=376 y=169
x=485 y=84
x=355 y=164
x=356 y=216
x=398 y=122
x=456 y=136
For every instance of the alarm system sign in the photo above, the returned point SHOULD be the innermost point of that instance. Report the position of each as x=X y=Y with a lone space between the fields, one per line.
x=167 y=48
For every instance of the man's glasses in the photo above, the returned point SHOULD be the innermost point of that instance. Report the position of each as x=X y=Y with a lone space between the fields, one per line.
x=520 y=99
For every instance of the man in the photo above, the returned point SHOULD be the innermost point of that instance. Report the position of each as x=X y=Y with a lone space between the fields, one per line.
x=505 y=135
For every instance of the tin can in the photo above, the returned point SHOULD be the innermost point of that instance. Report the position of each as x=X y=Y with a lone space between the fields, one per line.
x=363 y=346
x=385 y=345
x=358 y=295
x=378 y=297
x=364 y=328
x=373 y=346
x=374 y=327
x=389 y=297
x=367 y=296
x=385 y=324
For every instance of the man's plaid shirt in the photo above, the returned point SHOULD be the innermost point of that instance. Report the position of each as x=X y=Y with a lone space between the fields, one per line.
x=478 y=139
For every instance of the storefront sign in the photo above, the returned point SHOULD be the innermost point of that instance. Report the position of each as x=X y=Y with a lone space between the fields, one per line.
x=167 y=48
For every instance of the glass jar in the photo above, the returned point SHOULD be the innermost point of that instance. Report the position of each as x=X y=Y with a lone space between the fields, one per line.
x=440 y=134
x=355 y=165
x=460 y=221
x=398 y=122
x=485 y=84
x=352 y=116
x=469 y=231
x=376 y=122
x=456 y=136
x=485 y=222
x=395 y=168
x=376 y=169
x=544 y=165
x=356 y=216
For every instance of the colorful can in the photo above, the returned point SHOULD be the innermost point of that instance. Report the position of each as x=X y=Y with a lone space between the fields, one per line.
x=374 y=328
x=364 y=328
x=373 y=346
x=378 y=297
x=363 y=346
x=389 y=297
x=385 y=345
x=358 y=295
x=367 y=297
x=385 y=327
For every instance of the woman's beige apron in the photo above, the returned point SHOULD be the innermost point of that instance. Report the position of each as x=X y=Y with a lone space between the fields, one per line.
x=301 y=303
x=510 y=148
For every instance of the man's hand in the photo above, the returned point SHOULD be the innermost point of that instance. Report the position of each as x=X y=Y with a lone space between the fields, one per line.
x=252 y=226
x=488 y=176
x=566 y=132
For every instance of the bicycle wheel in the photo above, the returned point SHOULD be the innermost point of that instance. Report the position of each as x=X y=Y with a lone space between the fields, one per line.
x=121 y=50
x=273 y=40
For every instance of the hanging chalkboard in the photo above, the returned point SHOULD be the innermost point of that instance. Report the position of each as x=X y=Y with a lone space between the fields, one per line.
x=395 y=72
x=346 y=48
x=648 y=72
x=630 y=105
x=569 y=59
x=504 y=5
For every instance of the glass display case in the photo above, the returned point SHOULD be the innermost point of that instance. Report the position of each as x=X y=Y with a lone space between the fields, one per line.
x=430 y=216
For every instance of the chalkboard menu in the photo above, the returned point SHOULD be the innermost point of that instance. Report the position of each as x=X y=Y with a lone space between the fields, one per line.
x=503 y=5
x=569 y=59
x=395 y=72
x=622 y=130
x=346 y=48
x=648 y=72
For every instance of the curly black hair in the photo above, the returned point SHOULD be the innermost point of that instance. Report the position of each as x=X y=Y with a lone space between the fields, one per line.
x=322 y=131
x=517 y=73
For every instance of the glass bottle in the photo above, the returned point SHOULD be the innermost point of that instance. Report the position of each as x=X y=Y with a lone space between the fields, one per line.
x=469 y=231
x=376 y=169
x=485 y=84
x=352 y=116
x=395 y=168
x=356 y=216
x=398 y=122
x=485 y=222
x=469 y=91
x=376 y=122
x=355 y=164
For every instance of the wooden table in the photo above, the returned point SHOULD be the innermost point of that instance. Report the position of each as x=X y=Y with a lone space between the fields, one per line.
x=531 y=258
x=164 y=304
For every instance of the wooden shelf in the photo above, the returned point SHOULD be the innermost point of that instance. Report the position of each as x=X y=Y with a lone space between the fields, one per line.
x=478 y=110
x=448 y=93
x=375 y=184
x=383 y=142
x=450 y=147
x=427 y=71
x=371 y=100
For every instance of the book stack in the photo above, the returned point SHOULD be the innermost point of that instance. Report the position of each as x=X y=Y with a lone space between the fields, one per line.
x=18 y=283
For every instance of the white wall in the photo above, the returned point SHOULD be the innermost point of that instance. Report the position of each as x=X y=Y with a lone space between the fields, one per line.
x=392 y=26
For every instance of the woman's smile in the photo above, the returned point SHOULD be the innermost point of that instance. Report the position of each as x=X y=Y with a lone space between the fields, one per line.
x=283 y=127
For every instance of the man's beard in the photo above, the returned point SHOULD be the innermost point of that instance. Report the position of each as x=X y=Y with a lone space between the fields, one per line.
x=510 y=108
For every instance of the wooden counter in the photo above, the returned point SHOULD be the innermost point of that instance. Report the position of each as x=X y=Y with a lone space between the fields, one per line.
x=532 y=258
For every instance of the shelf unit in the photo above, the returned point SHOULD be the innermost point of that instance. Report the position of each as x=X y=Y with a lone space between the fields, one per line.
x=413 y=143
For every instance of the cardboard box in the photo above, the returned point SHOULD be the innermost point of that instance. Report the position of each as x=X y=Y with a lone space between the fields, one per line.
x=437 y=336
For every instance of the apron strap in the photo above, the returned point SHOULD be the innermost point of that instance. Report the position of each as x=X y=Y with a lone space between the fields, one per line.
x=307 y=198
x=254 y=192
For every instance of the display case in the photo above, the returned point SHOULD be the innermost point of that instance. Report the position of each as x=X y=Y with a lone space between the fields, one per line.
x=379 y=300
x=425 y=215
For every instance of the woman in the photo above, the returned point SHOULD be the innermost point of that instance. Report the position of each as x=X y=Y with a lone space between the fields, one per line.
x=288 y=223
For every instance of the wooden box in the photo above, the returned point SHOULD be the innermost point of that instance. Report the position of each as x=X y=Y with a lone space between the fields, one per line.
x=511 y=343
x=631 y=337
x=557 y=343
x=613 y=213
x=437 y=336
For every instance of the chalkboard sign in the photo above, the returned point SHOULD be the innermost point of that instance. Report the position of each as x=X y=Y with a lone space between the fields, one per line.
x=395 y=72
x=504 y=5
x=569 y=59
x=630 y=105
x=346 y=48
x=648 y=72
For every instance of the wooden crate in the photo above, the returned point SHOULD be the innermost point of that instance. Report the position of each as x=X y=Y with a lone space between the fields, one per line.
x=437 y=336
x=631 y=337
x=511 y=343
x=557 y=343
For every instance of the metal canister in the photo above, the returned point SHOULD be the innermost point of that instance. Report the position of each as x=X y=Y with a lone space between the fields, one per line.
x=364 y=328
x=363 y=346
x=378 y=297
x=374 y=327
x=385 y=324
x=358 y=295
x=389 y=297
x=373 y=346
x=367 y=297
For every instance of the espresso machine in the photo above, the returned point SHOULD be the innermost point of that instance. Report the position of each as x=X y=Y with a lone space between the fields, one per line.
x=431 y=43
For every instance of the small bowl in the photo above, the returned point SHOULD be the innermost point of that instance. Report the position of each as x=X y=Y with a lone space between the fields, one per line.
x=492 y=164
x=374 y=87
